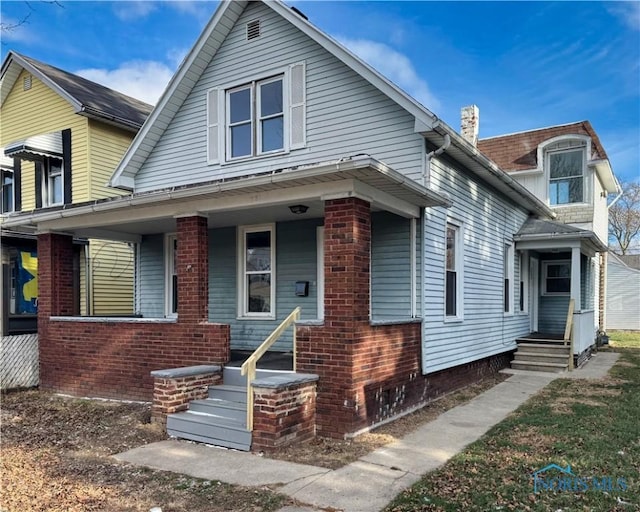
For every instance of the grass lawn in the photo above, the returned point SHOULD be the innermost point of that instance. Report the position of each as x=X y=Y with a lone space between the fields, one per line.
x=592 y=426
x=624 y=339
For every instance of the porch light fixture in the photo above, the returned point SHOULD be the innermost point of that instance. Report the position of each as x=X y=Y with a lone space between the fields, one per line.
x=298 y=209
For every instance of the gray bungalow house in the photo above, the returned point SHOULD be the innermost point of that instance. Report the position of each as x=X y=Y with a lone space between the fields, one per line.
x=278 y=171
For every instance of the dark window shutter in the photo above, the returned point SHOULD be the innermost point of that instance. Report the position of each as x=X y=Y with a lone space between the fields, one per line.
x=39 y=178
x=17 y=184
x=66 y=165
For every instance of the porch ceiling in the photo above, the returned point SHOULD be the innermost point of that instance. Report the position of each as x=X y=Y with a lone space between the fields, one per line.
x=259 y=198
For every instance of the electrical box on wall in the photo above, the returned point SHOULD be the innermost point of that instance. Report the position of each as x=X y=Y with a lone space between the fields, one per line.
x=302 y=288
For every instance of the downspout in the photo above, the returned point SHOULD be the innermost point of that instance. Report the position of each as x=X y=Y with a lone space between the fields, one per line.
x=423 y=249
x=620 y=193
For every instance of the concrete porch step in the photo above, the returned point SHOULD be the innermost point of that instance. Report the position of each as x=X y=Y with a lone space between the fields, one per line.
x=231 y=375
x=540 y=367
x=541 y=357
x=205 y=428
x=222 y=408
x=544 y=348
x=236 y=394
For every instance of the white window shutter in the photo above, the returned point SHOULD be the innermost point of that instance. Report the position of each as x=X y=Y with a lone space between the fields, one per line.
x=297 y=106
x=213 y=127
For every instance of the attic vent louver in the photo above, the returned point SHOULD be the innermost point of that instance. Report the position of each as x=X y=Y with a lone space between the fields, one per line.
x=253 y=30
x=26 y=83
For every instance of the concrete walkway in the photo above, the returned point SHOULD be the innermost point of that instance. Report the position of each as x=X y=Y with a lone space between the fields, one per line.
x=368 y=484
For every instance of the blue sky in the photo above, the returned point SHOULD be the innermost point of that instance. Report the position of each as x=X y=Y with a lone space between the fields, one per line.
x=525 y=64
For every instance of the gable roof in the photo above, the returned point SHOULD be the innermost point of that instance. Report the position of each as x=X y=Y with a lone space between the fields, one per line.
x=86 y=97
x=519 y=151
x=211 y=39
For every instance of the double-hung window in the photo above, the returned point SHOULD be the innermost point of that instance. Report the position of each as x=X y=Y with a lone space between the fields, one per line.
x=255 y=118
x=259 y=118
x=508 y=278
x=52 y=182
x=256 y=283
x=453 y=272
x=171 y=279
x=8 y=200
x=566 y=176
x=557 y=278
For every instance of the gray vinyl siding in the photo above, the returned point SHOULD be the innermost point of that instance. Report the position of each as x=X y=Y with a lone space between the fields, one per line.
x=390 y=267
x=553 y=314
x=623 y=297
x=345 y=114
x=296 y=260
x=151 y=276
x=488 y=222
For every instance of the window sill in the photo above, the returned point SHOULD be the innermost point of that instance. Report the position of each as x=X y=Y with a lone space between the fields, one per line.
x=253 y=158
x=570 y=205
x=453 y=320
x=254 y=318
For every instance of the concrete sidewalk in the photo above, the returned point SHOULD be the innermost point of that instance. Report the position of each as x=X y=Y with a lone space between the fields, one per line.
x=368 y=484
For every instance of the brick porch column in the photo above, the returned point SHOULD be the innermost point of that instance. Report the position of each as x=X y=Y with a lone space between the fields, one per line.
x=55 y=275
x=192 y=264
x=330 y=350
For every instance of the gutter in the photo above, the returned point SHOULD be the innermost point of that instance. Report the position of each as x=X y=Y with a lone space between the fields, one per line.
x=358 y=162
x=101 y=116
x=620 y=193
x=538 y=206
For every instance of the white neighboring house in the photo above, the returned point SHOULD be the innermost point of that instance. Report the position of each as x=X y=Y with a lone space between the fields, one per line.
x=623 y=292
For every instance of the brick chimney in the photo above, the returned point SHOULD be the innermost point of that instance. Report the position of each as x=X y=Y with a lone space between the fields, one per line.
x=470 y=123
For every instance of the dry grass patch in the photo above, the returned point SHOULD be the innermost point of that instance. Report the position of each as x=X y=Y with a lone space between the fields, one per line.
x=335 y=453
x=56 y=456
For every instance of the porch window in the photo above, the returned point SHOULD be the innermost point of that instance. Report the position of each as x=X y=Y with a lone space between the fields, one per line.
x=8 y=202
x=557 y=278
x=453 y=272
x=566 y=176
x=257 y=275
x=171 y=291
x=508 y=278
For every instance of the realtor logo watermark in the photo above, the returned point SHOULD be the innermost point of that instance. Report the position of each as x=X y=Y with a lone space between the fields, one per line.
x=556 y=478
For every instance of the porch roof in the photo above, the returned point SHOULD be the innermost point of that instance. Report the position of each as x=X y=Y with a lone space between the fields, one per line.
x=234 y=200
x=544 y=234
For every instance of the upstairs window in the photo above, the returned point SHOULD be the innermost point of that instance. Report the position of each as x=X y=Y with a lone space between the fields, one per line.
x=255 y=119
x=566 y=176
x=8 y=193
x=264 y=117
x=52 y=184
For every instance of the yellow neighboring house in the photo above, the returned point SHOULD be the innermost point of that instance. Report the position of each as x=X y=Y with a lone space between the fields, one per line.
x=61 y=137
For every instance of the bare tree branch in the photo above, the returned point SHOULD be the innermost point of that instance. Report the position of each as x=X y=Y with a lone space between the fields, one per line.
x=624 y=219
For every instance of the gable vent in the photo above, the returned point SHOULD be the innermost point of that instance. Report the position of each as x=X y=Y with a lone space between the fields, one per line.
x=253 y=30
x=26 y=83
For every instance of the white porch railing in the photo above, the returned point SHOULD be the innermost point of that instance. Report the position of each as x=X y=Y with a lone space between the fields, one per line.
x=249 y=366
x=584 y=330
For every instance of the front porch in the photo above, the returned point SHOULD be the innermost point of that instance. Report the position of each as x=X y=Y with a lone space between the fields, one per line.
x=562 y=295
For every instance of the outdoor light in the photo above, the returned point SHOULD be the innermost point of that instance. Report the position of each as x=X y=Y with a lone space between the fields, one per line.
x=298 y=209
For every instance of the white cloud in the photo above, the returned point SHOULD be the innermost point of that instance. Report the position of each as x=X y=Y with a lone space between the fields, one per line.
x=132 y=10
x=628 y=12
x=395 y=66
x=144 y=80
x=177 y=55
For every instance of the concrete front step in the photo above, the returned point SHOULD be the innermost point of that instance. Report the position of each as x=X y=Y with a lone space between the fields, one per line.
x=237 y=394
x=540 y=357
x=205 y=428
x=542 y=348
x=539 y=367
x=231 y=375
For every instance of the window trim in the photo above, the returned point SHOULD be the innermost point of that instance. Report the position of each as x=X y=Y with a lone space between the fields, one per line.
x=47 y=182
x=459 y=269
x=170 y=265
x=242 y=312
x=545 y=265
x=508 y=301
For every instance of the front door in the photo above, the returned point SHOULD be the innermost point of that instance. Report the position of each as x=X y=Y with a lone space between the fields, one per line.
x=534 y=292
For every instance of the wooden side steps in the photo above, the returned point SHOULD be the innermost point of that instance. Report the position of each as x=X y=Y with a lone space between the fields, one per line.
x=542 y=355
